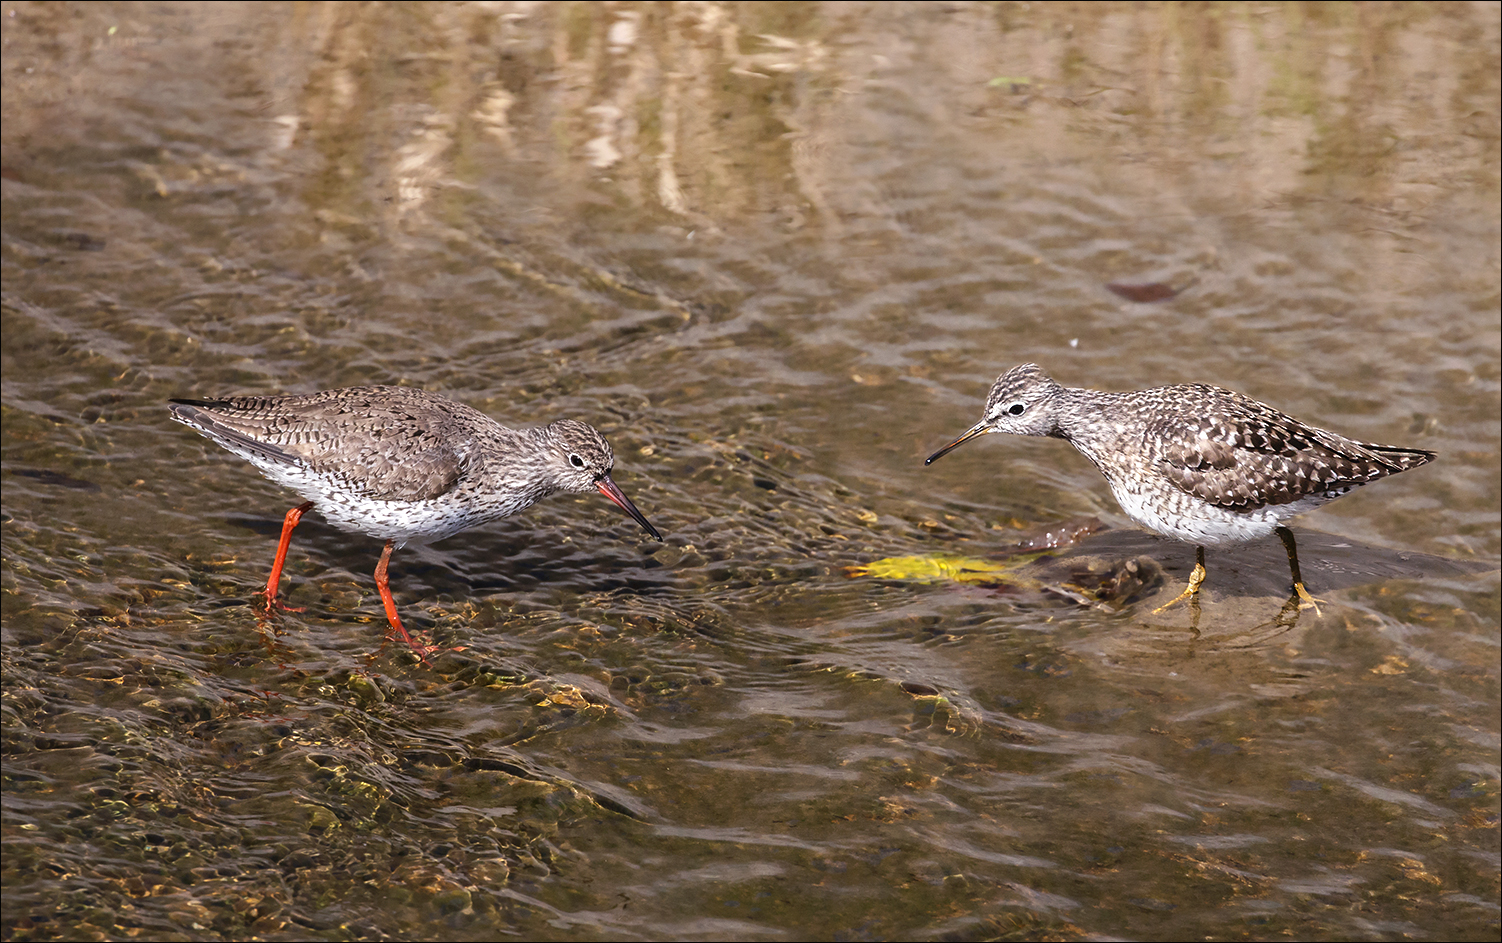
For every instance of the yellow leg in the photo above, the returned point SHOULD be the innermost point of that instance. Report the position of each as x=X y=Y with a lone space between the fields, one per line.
x=1196 y=579
x=1286 y=535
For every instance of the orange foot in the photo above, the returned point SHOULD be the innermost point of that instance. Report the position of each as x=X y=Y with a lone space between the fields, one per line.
x=271 y=604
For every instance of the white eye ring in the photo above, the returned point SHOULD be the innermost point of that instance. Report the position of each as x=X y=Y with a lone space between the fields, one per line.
x=576 y=461
x=1015 y=409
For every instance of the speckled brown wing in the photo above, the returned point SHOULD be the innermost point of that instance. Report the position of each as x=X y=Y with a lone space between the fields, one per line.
x=1243 y=455
x=349 y=434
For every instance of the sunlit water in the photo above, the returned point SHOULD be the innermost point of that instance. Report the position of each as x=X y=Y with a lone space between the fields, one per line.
x=777 y=252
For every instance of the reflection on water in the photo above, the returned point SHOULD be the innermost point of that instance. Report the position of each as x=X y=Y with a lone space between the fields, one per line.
x=776 y=253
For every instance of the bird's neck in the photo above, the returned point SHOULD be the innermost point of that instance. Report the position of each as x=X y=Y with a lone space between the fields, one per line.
x=1092 y=421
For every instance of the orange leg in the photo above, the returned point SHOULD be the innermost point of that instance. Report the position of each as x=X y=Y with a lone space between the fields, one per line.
x=384 y=586
x=289 y=524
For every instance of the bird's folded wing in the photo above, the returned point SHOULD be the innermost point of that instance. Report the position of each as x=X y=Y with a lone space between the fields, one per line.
x=1255 y=457
x=385 y=453
x=404 y=462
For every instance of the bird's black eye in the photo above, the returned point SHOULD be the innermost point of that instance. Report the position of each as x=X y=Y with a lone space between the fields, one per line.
x=576 y=461
x=1016 y=409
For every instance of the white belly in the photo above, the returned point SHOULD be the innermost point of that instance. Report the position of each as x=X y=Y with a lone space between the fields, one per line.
x=1190 y=519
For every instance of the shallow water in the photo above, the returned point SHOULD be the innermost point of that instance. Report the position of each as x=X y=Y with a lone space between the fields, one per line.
x=777 y=253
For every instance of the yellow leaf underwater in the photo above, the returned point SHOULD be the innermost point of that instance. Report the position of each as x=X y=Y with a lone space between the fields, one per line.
x=937 y=568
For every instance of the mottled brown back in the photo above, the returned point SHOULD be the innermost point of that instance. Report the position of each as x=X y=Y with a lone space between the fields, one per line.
x=1240 y=454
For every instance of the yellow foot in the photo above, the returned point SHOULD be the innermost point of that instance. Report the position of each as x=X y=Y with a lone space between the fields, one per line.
x=1196 y=579
x=1188 y=593
x=1306 y=601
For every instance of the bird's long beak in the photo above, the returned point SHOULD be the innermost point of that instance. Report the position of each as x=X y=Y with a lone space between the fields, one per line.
x=980 y=428
x=609 y=490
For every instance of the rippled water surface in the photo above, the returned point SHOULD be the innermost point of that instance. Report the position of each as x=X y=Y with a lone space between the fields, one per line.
x=777 y=253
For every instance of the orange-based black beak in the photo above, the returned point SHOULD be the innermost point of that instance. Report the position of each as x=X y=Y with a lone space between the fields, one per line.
x=980 y=428
x=609 y=490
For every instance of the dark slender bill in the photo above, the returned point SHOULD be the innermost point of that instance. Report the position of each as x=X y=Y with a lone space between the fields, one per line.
x=980 y=428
